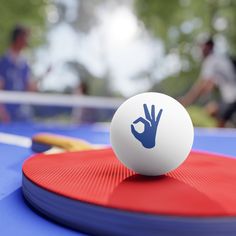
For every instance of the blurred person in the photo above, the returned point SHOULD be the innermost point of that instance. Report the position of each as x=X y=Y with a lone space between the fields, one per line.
x=217 y=71
x=15 y=74
x=83 y=114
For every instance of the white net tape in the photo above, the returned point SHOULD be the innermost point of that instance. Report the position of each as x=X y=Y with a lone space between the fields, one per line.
x=48 y=99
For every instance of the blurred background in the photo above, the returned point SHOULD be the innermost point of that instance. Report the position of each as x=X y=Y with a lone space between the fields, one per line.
x=118 y=48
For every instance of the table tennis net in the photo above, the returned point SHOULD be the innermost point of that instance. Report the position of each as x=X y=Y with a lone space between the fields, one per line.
x=59 y=108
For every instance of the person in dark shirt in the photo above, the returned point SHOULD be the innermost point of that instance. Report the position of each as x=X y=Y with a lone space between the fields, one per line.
x=15 y=74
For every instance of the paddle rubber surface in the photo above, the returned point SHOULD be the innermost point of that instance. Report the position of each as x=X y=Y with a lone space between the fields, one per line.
x=203 y=186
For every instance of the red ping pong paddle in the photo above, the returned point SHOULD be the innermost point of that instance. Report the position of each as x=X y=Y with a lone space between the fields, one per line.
x=93 y=192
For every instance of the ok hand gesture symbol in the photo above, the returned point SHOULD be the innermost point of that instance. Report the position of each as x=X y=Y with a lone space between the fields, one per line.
x=151 y=121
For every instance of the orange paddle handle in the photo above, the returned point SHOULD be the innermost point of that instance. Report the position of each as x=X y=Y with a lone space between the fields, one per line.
x=66 y=143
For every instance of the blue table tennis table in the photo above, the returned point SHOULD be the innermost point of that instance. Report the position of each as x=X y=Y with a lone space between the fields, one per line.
x=17 y=218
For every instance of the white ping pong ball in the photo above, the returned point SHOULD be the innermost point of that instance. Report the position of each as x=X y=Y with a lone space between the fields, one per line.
x=151 y=133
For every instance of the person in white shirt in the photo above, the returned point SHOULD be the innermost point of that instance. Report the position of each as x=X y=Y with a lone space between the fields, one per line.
x=217 y=71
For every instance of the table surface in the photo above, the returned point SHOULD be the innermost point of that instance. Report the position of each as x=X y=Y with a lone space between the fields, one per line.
x=16 y=218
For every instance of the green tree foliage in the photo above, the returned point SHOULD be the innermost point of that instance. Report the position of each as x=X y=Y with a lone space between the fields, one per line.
x=179 y=23
x=31 y=13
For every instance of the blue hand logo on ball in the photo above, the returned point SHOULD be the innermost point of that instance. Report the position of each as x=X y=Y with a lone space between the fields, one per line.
x=150 y=122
